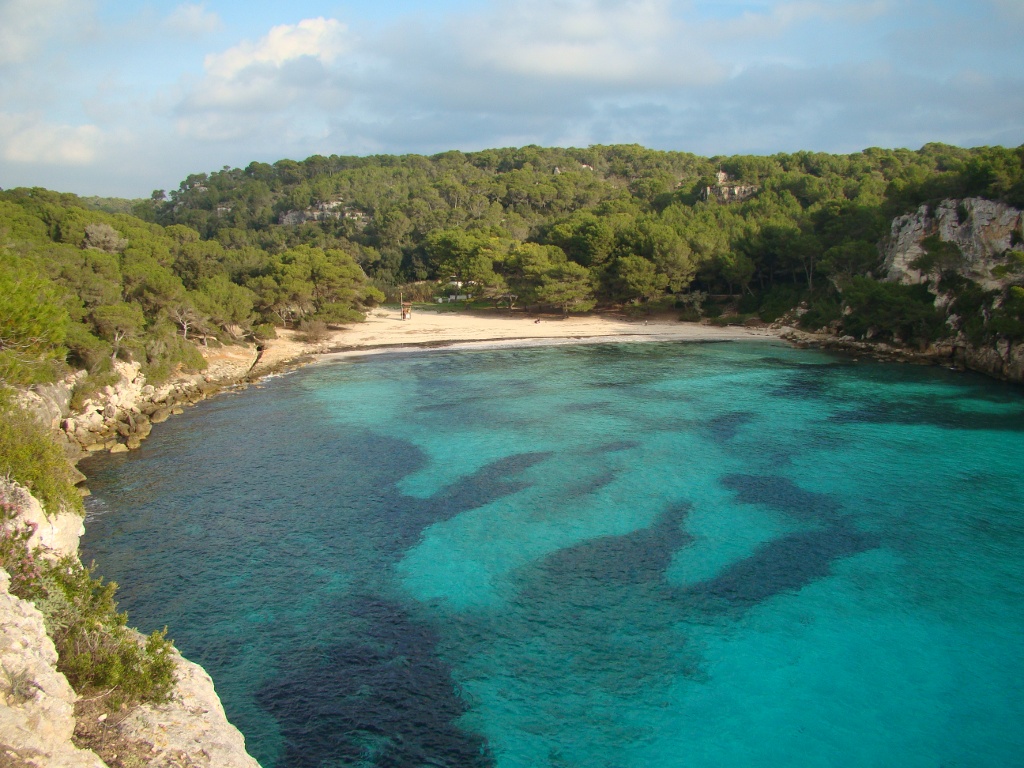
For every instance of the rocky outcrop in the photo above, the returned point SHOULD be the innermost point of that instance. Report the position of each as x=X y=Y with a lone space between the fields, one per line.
x=50 y=403
x=120 y=416
x=192 y=726
x=982 y=240
x=1003 y=361
x=984 y=231
x=56 y=534
x=37 y=708
x=37 y=705
x=329 y=211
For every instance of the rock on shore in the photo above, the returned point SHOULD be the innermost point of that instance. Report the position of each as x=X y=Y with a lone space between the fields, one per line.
x=119 y=416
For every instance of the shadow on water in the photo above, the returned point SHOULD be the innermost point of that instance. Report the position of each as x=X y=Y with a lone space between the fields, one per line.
x=784 y=565
x=385 y=699
x=937 y=412
x=724 y=428
x=789 y=563
x=782 y=494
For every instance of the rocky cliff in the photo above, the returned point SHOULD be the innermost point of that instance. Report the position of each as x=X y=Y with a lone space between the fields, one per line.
x=982 y=241
x=119 y=416
x=39 y=712
x=987 y=234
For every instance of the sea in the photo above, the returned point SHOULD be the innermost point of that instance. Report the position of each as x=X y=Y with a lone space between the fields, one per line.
x=601 y=555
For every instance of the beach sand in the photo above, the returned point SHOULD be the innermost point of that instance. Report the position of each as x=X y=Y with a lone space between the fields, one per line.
x=384 y=331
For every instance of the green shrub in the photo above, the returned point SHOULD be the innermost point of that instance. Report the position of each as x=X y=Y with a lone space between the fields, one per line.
x=821 y=312
x=86 y=350
x=1007 y=320
x=749 y=303
x=312 y=331
x=724 y=320
x=893 y=311
x=30 y=457
x=264 y=331
x=778 y=301
x=168 y=354
x=939 y=256
x=712 y=309
x=97 y=652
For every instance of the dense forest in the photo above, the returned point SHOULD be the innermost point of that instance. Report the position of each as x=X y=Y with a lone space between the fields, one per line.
x=237 y=252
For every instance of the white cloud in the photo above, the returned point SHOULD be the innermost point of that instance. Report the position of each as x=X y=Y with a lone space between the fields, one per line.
x=639 y=42
x=26 y=24
x=321 y=39
x=192 y=19
x=30 y=139
x=291 y=65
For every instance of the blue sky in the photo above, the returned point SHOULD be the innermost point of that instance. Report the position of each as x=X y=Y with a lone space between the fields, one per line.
x=121 y=98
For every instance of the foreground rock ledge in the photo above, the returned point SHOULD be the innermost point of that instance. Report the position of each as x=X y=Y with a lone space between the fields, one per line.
x=38 y=707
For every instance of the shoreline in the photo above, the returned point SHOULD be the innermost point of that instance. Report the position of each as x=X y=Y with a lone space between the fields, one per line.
x=385 y=332
x=234 y=367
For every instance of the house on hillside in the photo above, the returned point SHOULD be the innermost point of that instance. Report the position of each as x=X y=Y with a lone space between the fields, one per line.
x=726 y=191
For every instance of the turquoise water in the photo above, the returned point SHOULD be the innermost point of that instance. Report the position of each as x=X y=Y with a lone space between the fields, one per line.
x=643 y=555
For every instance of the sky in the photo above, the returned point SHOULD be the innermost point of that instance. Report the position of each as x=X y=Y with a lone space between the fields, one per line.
x=123 y=98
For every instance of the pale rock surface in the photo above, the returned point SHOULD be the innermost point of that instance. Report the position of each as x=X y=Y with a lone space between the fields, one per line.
x=50 y=403
x=984 y=235
x=58 y=534
x=37 y=716
x=191 y=729
x=192 y=724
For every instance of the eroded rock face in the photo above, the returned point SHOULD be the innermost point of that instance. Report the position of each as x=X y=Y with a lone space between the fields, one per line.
x=118 y=417
x=983 y=230
x=36 y=702
x=192 y=725
x=58 y=534
x=50 y=403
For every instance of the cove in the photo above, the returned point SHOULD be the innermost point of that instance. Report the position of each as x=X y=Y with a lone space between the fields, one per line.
x=647 y=555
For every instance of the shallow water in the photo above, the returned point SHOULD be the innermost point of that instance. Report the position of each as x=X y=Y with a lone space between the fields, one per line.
x=601 y=555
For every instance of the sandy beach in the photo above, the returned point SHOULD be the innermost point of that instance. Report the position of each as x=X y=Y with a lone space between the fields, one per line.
x=384 y=330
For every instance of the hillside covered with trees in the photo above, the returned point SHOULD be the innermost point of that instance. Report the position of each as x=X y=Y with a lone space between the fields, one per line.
x=236 y=252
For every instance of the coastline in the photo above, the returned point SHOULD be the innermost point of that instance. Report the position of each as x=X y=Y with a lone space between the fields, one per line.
x=118 y=418
x=384 y=331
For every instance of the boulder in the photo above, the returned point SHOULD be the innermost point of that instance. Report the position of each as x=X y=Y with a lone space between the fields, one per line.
x=160 y=415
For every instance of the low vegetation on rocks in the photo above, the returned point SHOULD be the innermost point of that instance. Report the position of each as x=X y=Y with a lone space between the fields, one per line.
x=97 y=652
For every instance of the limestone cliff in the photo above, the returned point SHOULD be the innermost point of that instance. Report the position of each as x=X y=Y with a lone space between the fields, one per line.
x=982 y=241
x=38 y=708
x=986 y=233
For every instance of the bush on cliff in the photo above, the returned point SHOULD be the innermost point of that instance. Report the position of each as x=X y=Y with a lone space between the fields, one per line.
x=30 y=457
x=96 y=650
